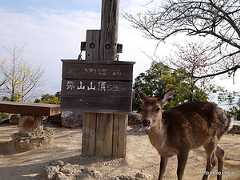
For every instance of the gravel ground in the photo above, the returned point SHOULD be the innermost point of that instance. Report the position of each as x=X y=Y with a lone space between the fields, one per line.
x=141 y=158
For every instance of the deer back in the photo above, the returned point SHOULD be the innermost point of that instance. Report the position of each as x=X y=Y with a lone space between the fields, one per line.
x=192 y=124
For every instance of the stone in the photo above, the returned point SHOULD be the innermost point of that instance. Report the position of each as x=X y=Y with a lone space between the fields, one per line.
x=56 y=120
x=4 y=118
x=142 y=176
x=25 y=141
x=134 y=119
x=62 y=176
x=91 y=172
x=14 y=119
x=87 y=177
x=235 y=129
x=115 y=178
x=71 y=172
x=57 y=163
x=123 y=177
x=70 y=169
x=71 y=119
x=51 y=171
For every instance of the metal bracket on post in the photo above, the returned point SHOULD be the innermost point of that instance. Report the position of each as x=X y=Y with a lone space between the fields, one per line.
x=82 y=48
x=119 y=48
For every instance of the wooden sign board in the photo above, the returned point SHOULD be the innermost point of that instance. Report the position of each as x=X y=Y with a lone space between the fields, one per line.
x=97 y=86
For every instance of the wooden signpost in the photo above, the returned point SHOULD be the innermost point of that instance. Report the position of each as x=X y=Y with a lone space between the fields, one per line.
x=100 y=86
x=97 y=87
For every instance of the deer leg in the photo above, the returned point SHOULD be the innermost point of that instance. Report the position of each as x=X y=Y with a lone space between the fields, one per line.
x=220 y=158
x=182 y=161
x=211 y=159
x=163 y=165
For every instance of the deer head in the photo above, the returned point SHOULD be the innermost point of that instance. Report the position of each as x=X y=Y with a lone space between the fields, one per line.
x=152 y=108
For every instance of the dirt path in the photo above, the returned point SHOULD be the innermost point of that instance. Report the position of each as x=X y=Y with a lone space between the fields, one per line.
x=140 y=157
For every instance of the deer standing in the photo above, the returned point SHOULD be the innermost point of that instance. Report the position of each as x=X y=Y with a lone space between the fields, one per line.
x=187 y=126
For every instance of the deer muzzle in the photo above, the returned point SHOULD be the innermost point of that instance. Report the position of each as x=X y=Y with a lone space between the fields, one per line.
x=146 y=123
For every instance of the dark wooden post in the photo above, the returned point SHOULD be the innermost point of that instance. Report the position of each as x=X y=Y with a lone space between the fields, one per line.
x=104 y=134
x=109 y=30
x=101 y=87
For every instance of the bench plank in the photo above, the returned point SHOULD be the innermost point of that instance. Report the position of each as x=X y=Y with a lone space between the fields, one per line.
x=33 y=109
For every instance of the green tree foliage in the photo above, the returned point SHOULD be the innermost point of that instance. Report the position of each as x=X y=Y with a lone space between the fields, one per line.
x=159 y=78
x=49 y=99
x=226 y=97
x=235 y=112
x=231 y=99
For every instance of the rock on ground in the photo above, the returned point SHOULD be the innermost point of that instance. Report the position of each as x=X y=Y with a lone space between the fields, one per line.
x=134 y=119
x=14 y=118
x=235 y=129
x=32 y=140
x=71 y=119
x=58 y=170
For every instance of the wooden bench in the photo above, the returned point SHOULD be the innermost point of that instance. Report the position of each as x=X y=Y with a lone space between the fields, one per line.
x=32 y=114
x=34 y=109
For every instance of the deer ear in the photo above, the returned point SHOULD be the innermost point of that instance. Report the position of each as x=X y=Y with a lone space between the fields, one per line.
x=167 y=97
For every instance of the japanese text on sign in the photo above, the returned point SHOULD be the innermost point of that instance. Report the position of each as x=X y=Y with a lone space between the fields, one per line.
x=101 y=86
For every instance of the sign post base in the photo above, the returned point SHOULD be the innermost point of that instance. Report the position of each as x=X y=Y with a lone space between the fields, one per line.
x=104 y=135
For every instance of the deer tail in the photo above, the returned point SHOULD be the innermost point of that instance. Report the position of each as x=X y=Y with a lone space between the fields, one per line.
x=230 y=123
x=226 y=123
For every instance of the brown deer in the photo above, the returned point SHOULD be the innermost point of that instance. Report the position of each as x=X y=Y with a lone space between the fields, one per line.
x=185 y=127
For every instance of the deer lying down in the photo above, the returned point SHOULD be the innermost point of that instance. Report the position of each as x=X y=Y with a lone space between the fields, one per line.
x=187 y=126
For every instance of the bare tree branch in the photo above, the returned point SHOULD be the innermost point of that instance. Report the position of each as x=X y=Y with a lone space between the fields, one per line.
x=20 y=79
x=206 y=18
x=218 y=73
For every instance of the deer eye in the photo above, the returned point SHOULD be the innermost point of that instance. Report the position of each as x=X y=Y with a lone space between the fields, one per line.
x=157 y=109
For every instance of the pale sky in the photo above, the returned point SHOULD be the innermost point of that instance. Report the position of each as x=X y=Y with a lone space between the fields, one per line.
x=51 y=30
